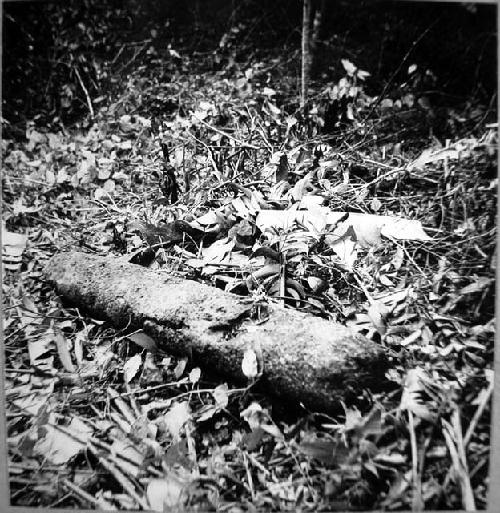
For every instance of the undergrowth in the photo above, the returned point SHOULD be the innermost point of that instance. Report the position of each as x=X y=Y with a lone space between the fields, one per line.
x=97 y=419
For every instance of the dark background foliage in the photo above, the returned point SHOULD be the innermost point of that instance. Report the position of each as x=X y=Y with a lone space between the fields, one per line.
x=46 y=44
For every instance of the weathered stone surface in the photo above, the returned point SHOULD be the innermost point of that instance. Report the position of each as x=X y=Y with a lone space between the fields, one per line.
x=305 y=358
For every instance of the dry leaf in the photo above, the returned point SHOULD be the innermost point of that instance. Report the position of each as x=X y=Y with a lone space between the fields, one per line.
x=250 y=365
x=378 y=313
x=176 y=417
x=412 y=394
x=165 y=494
x=131 y=367
x=145 y=341
x=221 y=396
x=13 y=246
x=63 y=351
x=179 y=368
x=194 y=375
x=61 y=443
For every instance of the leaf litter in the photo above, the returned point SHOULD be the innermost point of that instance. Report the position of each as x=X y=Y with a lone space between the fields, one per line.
x=337 y=232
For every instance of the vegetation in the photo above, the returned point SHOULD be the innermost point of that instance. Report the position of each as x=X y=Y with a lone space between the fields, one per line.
x=183 y=139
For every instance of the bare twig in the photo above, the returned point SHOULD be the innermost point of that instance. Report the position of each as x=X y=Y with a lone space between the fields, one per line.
x=468 y=495
x=87 y=96
x=100 y=503
x=453 y=437
x=479 y=412
x=118 y=54
x=472 y=426
x=136 y=54
x=225 y=134
x=123 y=480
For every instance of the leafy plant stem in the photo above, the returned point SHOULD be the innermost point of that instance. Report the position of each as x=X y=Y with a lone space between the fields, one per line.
x=417 y=502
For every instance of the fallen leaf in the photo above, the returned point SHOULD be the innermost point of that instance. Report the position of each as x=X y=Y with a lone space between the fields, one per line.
x=411 y=398
x=131 y=367
x=328 y=452
x=431 y=155
x=38 y=348
x=179 y=368
x=267 y=91
x=352 y=418
x=178 y=454
x=367 y=227
x=255 y=415
x=378 y=313
x=109 y=186
x=221 y=396
x=300 y=188
x=371 y=423
x=13 y=246
x=218 y=251
x=194 y=375
x=375 y=204
x=29 y=304
x=61 y=443
x=176 y=417
x=349 y=67
x=249 y=365
x=393 y=458
x=316 y=284
x=253 y=440
x=282 y=169
x=100 y=193
x=132 y=456
x=165 y=494
x=141 y=339
x=63 y=351
x=403 y=229
x=477 y=286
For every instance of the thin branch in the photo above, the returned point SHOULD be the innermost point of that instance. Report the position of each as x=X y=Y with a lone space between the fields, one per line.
x=87 y=96
x=305 y=54
x=240 y=143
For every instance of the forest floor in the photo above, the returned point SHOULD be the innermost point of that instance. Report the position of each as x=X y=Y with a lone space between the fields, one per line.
x=97 y=419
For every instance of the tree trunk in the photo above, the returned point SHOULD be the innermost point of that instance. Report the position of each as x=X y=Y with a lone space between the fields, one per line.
x=306 y=58
x=305 y=358
x=319 y=9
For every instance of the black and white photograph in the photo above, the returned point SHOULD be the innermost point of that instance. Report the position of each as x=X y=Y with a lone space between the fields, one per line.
x=249 y=256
